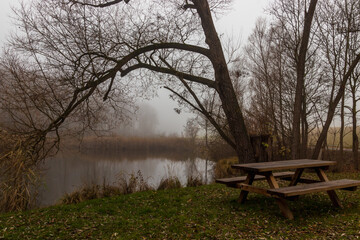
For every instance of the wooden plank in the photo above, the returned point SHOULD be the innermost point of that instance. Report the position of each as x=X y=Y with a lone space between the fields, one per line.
x=232 y=182
x=313 y=188
x=332 y=194
x=301 y=180
x=283 y=165
x=243 y=194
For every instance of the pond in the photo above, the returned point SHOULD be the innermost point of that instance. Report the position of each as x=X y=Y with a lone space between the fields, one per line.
x=68 y=171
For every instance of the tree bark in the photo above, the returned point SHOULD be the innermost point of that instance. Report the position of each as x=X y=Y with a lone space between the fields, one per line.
x=304 y=128
x=355 y=145
x=342 y=126
x=300 y=70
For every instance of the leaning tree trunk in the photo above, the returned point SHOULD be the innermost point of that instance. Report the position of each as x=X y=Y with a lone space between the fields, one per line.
x=224 y=85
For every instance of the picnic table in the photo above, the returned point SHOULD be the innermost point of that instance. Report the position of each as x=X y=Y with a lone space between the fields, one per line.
x=269 y=171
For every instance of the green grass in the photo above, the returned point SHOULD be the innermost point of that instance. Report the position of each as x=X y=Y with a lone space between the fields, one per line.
x=206 y=212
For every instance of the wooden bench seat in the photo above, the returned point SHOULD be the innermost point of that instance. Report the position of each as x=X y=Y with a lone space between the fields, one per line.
x=285 y=192
x=232 y=182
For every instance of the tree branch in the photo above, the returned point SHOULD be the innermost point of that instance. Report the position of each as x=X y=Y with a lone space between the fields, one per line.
x=158 y=46
x=100 y=5
x=188 y=6
x=173 y=72
x=202 y=109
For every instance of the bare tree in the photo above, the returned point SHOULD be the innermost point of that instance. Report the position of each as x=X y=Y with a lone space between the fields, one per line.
x=271 y=88
x=336 y=23
x=92 y=49
x=273 y=61
x=191 y=130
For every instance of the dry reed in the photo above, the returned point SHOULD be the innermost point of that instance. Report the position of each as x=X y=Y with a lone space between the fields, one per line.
x=19 y=174
x=125 y=185
x=135 y=183
x=135 y=144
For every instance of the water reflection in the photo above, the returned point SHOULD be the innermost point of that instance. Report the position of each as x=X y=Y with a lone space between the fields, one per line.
x=68 y=171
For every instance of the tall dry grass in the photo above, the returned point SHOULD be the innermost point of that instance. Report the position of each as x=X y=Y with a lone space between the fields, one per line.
x=135 y=183
x=134 y=144
x=333 y=137
x=171 y=182
x=125 y=184
x=19 y=173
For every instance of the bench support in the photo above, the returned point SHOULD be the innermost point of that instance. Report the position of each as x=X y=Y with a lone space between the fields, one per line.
x=284 y=208
x=332 y=194
x=295 y=179
x=243 y=194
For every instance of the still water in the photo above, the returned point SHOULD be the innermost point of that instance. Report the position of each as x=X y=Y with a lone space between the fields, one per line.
x=67 y=171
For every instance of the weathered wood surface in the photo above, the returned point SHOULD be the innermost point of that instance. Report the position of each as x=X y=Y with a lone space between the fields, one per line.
x=301 y=180
x=260 y=171
x=290 y=191
x=232 y=182
x=283 y=165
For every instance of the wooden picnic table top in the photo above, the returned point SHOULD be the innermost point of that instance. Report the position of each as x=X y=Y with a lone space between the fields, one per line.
x=282 y=165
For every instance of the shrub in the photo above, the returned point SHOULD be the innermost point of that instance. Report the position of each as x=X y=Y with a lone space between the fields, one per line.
x=194 y=181
x=223 y=168
x=169 y=183
x=136 y=183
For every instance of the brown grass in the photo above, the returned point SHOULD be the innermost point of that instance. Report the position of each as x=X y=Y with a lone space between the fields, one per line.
x=90 y=192
x=333 y=137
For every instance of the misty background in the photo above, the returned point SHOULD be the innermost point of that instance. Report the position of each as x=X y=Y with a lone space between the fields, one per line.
x=156 y=116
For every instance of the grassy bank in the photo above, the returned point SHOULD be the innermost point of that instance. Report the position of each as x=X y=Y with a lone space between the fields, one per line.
x=206 y=212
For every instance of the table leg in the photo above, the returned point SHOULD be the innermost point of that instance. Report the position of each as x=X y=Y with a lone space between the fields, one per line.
x=284 y=208
x=296 y=177
x=243 y=194
x=332 y=194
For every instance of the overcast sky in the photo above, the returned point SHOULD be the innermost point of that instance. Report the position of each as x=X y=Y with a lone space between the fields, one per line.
x=237 y=22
